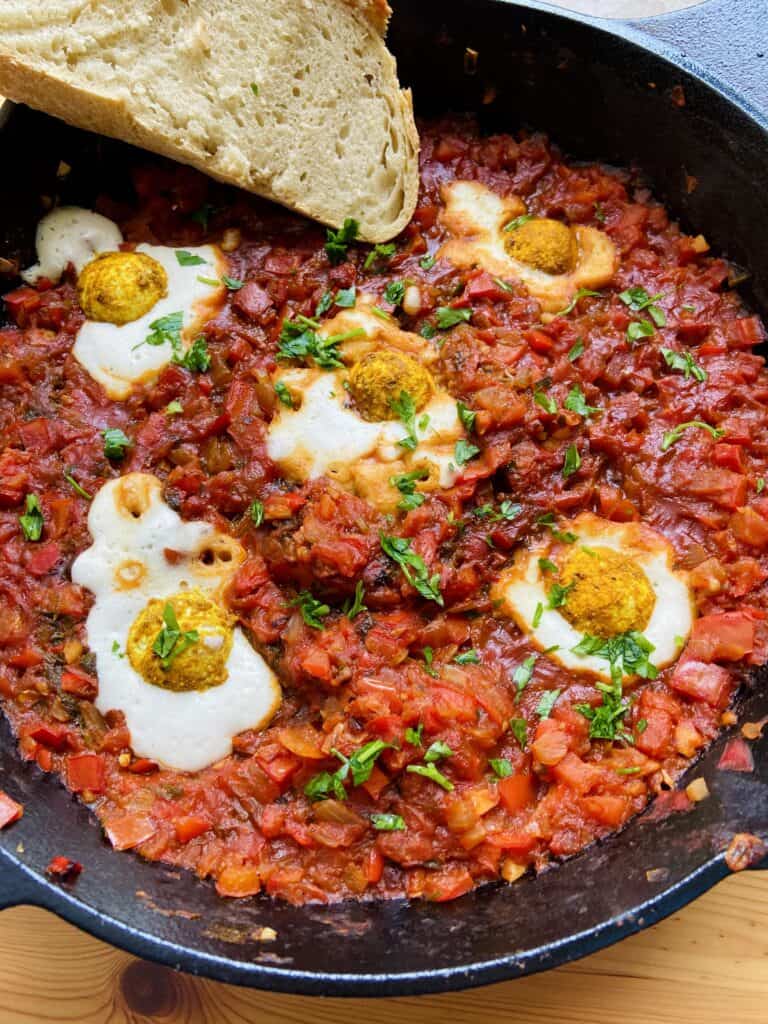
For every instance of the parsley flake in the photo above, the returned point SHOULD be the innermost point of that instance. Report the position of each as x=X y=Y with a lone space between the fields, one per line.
x=256 y=512
x=581 y=293
x=353 y=607
x=501 y=766
x=448 y=317
x=429 y=771
x=576 y=402
x=116 y=443
x=673 y=436
x=189 y=259
x=684 y=361
x=312 y=611
x=32 y=520
x=172 y=641
x=413 y=567
x=547 y=701
x=337 y=242
x=571 y=462
x=388 y=822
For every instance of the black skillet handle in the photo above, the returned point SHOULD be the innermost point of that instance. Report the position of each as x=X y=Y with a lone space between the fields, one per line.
x=728 y=38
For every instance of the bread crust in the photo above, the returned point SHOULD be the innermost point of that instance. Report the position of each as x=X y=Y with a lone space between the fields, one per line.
x=118 y=114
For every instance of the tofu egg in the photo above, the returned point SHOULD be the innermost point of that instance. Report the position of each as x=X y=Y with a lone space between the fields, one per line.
x=611 y=579
x=341 y=423
x=168 y=652
x=552 y=259
x=142 y=307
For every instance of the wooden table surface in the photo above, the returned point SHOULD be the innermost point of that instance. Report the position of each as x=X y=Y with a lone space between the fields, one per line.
x=705 y=965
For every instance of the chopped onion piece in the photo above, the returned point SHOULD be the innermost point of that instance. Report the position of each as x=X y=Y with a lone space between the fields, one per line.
x=697 y=790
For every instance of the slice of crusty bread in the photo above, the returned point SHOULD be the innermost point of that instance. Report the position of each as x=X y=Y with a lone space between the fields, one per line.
x=296 y=100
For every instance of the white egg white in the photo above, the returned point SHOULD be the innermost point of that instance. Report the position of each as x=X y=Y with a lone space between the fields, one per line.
x=525 y=586
x=132 y=528
x=475 y=217
x=326 y=436
x=70 y=234
x=118 y=357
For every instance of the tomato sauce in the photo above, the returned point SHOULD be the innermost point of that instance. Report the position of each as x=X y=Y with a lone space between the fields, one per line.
x=389 y=673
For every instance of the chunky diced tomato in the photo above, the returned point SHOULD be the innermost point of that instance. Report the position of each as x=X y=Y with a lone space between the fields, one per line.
x=85 y=772
x=610 y=810
x=79 y=683
x=736 y=756
x=517 y=791
x=702 y=681
x=577 y=774
x=750 y=527
x=10 y=811
x=64 y=868
x=190 y=826
x=54 y=736
x=724 y=636
x=129 y=830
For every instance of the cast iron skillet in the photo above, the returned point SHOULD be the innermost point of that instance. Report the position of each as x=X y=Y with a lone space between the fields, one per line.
x=603 y=90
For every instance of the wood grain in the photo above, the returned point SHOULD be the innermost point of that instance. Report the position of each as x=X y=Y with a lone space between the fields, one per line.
x=706 y=965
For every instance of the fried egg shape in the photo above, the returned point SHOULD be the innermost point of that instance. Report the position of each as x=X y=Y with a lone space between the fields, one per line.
x=553 y=260
x=187 y=680
x=612 y=579
x=143 y=307
x=342 y=425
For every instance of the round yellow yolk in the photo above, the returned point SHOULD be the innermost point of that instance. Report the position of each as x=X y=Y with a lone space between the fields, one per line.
x=118 y=287
x=608 y=594
x=379 y=378
x=544 y=244
x=196 y=653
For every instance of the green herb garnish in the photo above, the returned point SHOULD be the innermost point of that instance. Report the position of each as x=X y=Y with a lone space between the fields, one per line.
x=547 y=701
x=581 y=293
x=413 y=567
x=388 y=822
x=576 y=402
x=684 y=361
x=32 y=520
x=189 y=259
x=501 y=767
x=312 y=611
x=116 y=443
x=673 y=436
x=448 y=317
x=353 y=607
x=172 y=641
x=429 y=771
x=337 y=242
x=256 y=512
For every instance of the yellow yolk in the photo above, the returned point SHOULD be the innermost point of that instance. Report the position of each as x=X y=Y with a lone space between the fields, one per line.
x=119 y=287
x=195 y=657
x=608 y=593
x=544 y=244
x=378 y=379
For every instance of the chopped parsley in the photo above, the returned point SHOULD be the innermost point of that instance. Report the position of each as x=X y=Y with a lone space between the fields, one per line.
x=406 y=484
x=429 y=657
x=519 y=728
x=576 y=350
x=501 y=766
x=429 y=771
x=299 y=340
x=172 y=641
x=463 y=451
x=503 y=285
x=571 y=462
x=254 y=89
x=599 y=213
x=448 y=317
x=196 y=358
x=77 y=488
x=345 y=298
x=548 y=520
x=437 y=751
x=508 y=510
x=413 y=736
x=388 y=822
x=282 y=392
x=379 y=252
x=212 y=281
x=523 y=673
x=165 y=329
x=466 y=415
x=353 y=607
x=337 y=242
x=558 y=595
x=470 y=657
x=581 y=293
x=174 y=408
x=518 y=222
x=684 y=361
x=256 y=512
x=536 y=620
x=760 y=484
x=116 y=443
x=395 y=292
x=360 y=764
x=234 y=284
x=626 y=654
x=189 y=259
x=427 y=262
x=547 y=565
x=547 y=701
x=639 y=329
x=32 y=520
x=576 y=402
x=413 y=567
x=673 y=436
x=541 y=398
x=405 y=408
x=312 y=611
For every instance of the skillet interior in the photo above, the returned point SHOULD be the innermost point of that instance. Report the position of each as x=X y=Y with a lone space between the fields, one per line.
x=591 y=92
